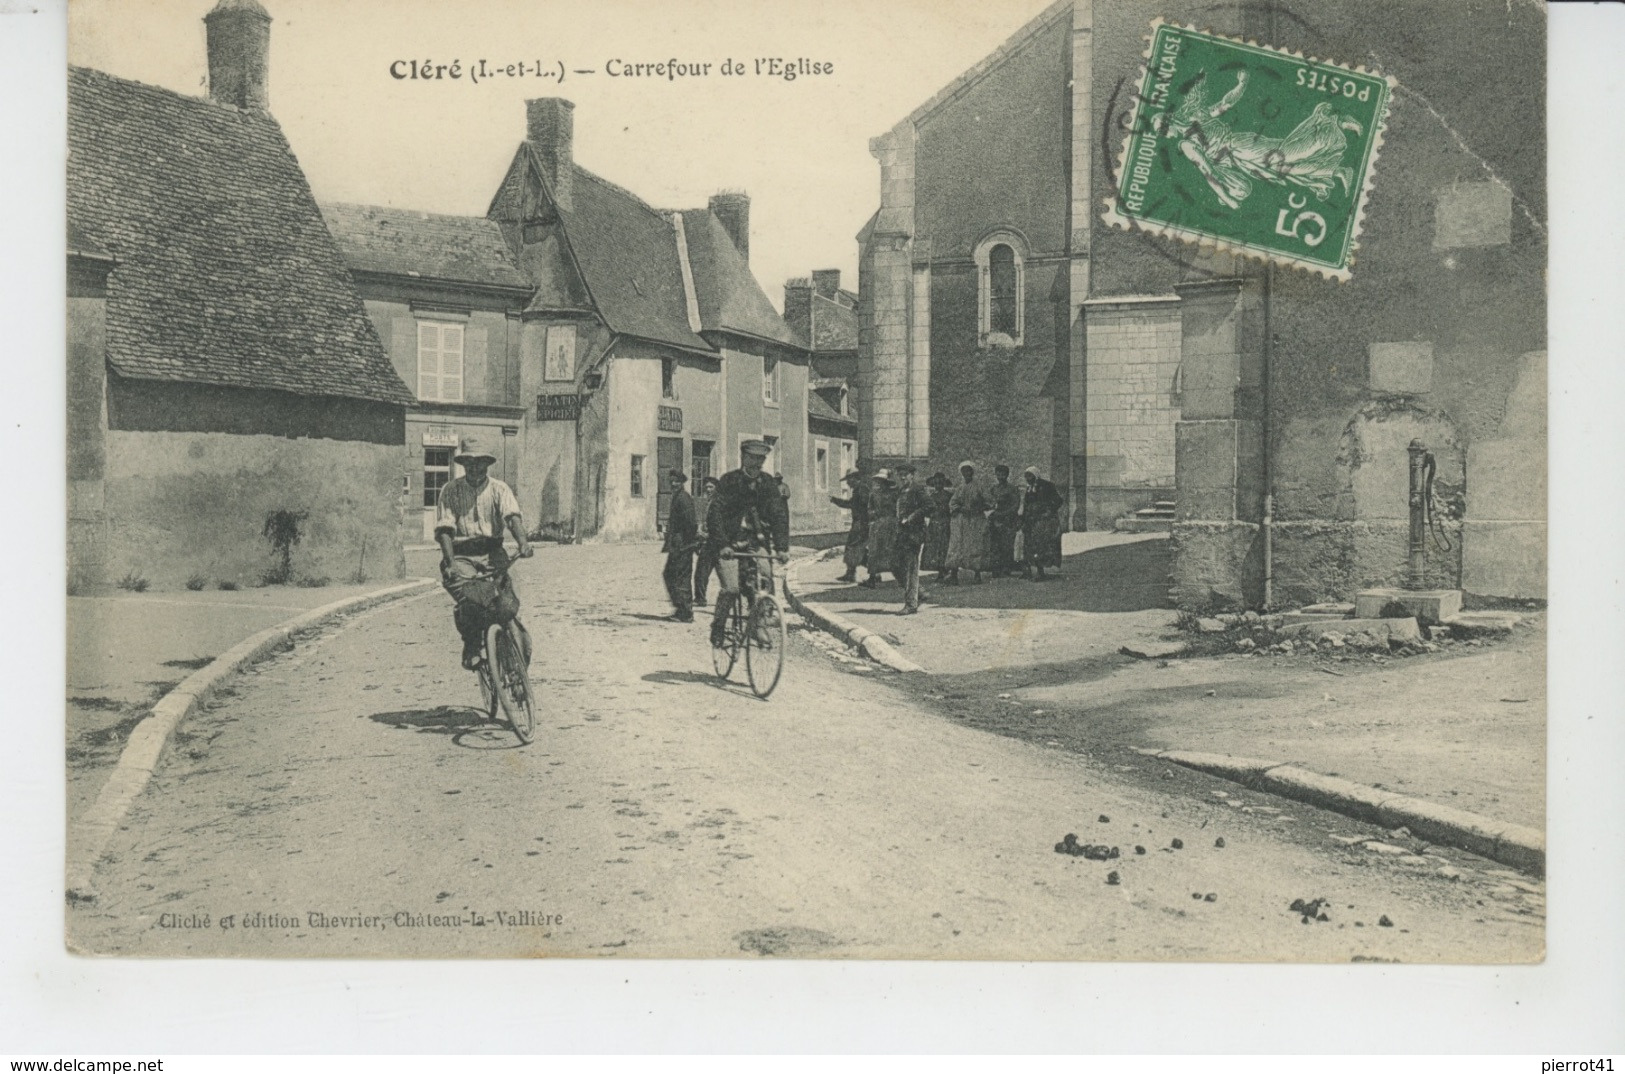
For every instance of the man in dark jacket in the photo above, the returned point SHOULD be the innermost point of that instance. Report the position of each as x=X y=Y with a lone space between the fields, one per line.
x=913 y=507
x=706 y=564
x=682 y=535
x=857 y=537
x=747 y=514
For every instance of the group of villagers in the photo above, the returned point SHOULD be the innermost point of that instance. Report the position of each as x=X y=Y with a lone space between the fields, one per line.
x=969 y=528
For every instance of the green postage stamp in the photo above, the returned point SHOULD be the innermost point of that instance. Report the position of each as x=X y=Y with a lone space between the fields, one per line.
x=1251 y=149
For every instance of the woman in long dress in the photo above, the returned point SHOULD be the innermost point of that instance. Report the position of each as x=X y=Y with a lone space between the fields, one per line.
x=882 y=527
x=935 y=552
x=967 y=540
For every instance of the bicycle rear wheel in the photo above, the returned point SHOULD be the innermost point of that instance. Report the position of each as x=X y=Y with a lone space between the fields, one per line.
x=766 y=638
x=512 y=681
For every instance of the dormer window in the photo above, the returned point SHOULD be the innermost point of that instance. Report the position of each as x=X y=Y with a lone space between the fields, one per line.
x=1001 y=298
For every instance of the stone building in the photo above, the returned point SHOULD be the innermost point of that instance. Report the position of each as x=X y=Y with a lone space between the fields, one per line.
x=818 y=310
x=221 y=367
x=646 y=344
x=1002 y=320
x=447 y=298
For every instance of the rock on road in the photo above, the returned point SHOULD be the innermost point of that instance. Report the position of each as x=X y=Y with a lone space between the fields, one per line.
x=345 y=799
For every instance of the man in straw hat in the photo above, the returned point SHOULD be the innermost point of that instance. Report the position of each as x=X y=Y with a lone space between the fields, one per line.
x=469 y=519
x=857 y=536
x=747 y=514
x=682 y=535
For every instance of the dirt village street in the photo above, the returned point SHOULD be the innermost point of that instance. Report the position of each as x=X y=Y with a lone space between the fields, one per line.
x=346 y=798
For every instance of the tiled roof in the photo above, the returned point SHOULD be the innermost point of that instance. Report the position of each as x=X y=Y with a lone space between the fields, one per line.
x=818 y=407
x=463 y=249
x=627 y=252
x=729 y=297
x=834 y=325
x=227 y=274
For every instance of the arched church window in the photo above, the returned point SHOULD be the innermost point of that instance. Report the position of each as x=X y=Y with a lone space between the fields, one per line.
x=1001 y=270
x=1000 y=257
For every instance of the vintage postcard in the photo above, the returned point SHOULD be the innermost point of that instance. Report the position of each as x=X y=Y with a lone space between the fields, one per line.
x=841 y=481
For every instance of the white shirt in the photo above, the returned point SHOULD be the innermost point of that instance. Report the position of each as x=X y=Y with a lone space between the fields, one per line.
x=467 y=513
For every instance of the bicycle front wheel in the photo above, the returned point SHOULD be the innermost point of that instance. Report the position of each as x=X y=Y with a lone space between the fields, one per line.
x=723 y=656
x=766 y=638
x=513 y=682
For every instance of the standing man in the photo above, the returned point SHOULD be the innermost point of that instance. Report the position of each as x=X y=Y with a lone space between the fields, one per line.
x=707 y=563
x=1040 y=524
x=682 y=534
x=469 y=518
x=746 y=515
x=913 y=507
x=857 y=536
x=1003 y=523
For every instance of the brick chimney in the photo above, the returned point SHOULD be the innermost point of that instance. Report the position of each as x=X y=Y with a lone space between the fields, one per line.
x=238 y=36
x=550 y=130
x=827 y=282
x=733 y=209
x=798 y=294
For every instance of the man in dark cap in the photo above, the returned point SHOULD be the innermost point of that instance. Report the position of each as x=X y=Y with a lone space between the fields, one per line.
x=682 y=535
x=705 y=564
x=747 y=514
x=913 y=507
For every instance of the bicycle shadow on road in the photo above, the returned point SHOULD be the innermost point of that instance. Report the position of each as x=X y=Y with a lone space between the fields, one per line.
x=467 y=727
x=698 y=678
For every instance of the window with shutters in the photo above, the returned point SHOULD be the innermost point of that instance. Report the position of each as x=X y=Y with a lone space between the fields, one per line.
x=821 y=465
x=637 y=475
x=440 y=362
x=770 y=380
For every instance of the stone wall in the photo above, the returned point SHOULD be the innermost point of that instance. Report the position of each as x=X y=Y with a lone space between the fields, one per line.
x=1132 y=401
x=181 y=504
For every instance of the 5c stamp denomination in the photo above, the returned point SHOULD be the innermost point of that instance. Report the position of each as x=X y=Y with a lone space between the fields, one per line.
x=1251 y=149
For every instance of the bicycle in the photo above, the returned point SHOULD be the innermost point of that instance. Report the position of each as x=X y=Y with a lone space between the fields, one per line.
x=762 y=632
x=503 y=672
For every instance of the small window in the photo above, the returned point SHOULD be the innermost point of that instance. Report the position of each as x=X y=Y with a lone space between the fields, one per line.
x=1001 y=270
x=770 y=380
x=1000 y=298
x=699 y=467
x=849 y=458
x=436 y=473
x=560 y=363
x=668 y=376
x=637 y=475
x=821 y=465
x=440 y=362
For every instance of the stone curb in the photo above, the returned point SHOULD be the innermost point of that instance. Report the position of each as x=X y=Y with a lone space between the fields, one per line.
x=147 y=741
x=867 y=642
x=1510 y=844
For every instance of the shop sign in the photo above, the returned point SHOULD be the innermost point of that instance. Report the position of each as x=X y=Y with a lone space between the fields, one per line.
x=671 y=419
x=558 y=407
x=440 y=436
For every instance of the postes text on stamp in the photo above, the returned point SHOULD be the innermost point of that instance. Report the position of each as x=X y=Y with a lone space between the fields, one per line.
x=1251 y=149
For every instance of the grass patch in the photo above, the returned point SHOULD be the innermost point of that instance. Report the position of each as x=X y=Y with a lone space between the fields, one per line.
x=193 y=664
x=196 y=582
x=134 y=582
x=320 y=581
x=228 y=585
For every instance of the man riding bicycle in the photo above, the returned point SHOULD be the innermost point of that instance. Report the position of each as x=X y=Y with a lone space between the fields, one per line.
x=747 y=514
x=469 y=518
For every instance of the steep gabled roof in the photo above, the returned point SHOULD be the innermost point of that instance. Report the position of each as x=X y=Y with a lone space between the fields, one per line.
x=226 y=272
x=818 y=407
x=834 y=325
x=729 y=298
x=461 y=249
x=1013 y=45
x=627 y=253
